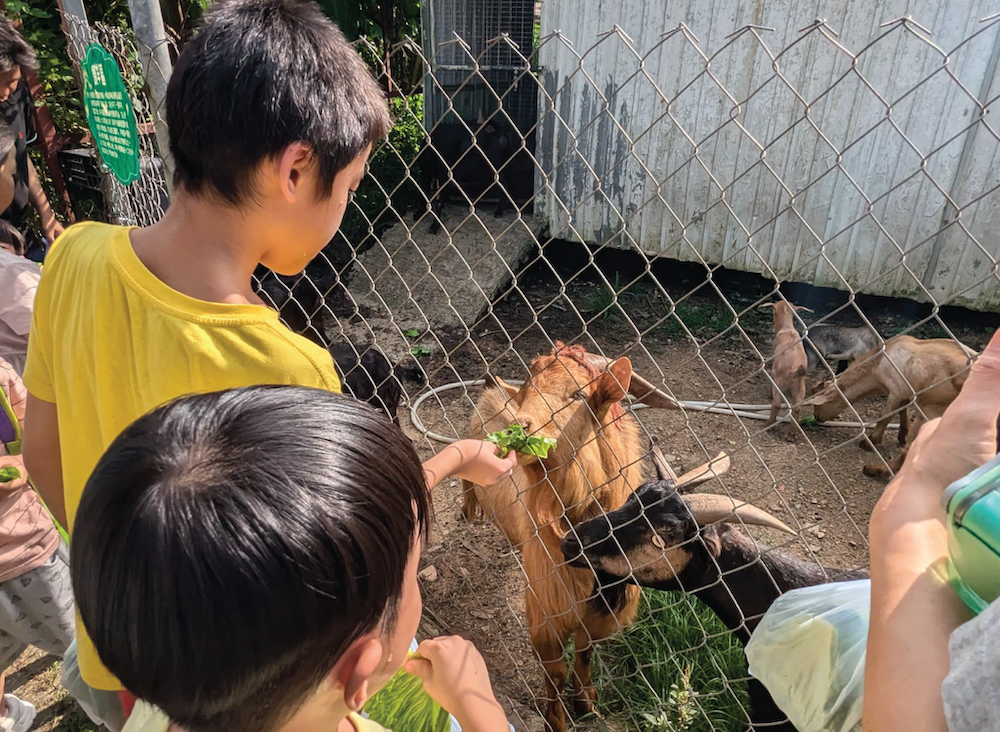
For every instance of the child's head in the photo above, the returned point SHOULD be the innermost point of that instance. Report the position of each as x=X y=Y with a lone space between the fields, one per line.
x=270 y=106
x=8 y=165
x=16 y=55
x=11 y=239
x=243 y=557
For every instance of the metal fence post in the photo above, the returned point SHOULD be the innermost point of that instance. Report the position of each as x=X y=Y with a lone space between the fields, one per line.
x=151 y=39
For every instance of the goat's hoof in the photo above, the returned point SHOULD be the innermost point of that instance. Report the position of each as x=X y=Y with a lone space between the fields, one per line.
x=583 y=704
x=867 y=445
x=435 y=228
x=874 y=470
x=555 y=717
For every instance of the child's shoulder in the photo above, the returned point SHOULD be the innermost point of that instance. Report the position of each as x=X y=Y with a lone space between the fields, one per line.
x=84 y=242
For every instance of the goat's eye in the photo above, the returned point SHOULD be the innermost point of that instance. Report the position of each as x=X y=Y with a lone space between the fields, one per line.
x=579 y=394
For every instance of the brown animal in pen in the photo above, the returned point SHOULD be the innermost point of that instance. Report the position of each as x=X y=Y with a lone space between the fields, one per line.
x=929 y=372
x=576 y=399
x=788 y=365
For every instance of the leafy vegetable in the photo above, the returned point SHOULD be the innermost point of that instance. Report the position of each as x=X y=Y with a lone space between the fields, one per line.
x=402 y=704
x=9 y=473
x=411 y=333
x=808 y=421
x=420 y=351
x=513 y=438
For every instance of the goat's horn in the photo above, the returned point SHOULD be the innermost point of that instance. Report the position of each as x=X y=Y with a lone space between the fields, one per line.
x=710 y=508
x=640 y=388
x=716 y=467
x=663 y=469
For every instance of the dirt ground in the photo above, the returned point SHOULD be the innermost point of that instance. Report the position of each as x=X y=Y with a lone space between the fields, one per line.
x=471 y=578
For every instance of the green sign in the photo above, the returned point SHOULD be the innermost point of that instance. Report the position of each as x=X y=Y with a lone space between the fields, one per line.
x=109 y=114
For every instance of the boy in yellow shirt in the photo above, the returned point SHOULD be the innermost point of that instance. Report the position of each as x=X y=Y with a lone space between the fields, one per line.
x=272 y=116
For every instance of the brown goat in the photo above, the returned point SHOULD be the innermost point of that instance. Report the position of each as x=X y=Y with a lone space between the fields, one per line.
x=788 y=365
x=594 y=468
x=930 y=372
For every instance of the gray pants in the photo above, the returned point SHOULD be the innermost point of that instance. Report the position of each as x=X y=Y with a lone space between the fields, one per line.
x=37 y=609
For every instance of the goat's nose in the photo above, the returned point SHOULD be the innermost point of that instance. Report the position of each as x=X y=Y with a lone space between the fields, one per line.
x=570 y=546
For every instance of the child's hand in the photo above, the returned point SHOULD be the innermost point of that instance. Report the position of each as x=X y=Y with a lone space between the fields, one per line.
x=13 y=461
x=455 y=676
x=472 y=460
x=480 y=463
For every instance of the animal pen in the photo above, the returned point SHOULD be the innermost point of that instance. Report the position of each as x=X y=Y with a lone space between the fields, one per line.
x=676 y=169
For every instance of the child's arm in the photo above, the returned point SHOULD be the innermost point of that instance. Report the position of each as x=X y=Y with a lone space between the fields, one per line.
x=40 y=447
x=455 y=676
x=472 y=460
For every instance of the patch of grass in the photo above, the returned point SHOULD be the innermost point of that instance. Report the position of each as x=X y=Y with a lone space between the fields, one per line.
x=701 y=318
x=671 y=670
x=75 y=721
x=602 y=300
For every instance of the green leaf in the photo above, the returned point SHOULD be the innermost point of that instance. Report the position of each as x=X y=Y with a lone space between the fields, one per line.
x=9 y=473
x=411 y=333
x=513 y=438
x=420 y=351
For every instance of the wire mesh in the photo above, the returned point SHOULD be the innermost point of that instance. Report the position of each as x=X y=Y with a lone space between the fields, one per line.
x=143 y=201
x=655 y=201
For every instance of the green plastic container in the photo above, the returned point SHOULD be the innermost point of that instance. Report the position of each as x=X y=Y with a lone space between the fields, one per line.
x=973 y=506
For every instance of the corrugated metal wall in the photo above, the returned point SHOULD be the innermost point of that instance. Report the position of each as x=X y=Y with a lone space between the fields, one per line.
x=743 y=170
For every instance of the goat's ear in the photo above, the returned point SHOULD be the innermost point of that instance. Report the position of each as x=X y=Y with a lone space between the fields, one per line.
x=613 y=386
x=510 y=391
x=713 y=542
x=765 y=305
x=801 y=309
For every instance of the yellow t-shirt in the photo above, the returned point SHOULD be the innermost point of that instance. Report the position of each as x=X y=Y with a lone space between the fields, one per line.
x=110 y=342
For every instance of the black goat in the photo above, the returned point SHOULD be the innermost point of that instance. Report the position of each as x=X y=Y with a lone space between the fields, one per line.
x=299 y=299
x=669 y=541
x=460 y=163
x=370 y=376
x=365 y=371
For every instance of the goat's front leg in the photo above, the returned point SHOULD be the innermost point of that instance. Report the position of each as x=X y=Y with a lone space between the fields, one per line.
x=583 y=689
x=551 y=650
x=904 y=426
x=470 y=502
x=892 y=405
x=775 y=406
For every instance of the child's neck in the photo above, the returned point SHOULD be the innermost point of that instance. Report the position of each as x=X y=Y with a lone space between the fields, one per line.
x=203 y=250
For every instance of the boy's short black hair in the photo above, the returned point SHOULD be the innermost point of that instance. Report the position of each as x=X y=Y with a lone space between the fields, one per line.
x=10 y=235
x=14 y=50
x=229 y=547
x=259 y=76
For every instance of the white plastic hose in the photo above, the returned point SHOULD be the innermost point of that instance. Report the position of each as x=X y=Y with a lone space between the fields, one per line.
x=747 y=411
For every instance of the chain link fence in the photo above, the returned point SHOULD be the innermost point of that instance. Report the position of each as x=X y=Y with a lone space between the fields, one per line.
x=143 y=201
x=656 y=200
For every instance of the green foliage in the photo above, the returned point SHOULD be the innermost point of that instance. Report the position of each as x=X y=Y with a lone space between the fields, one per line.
x=41 y=28
x=390 y=176
x=674 y=669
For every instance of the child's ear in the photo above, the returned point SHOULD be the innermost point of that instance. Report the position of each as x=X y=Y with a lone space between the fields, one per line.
x=292 y=164
x=355 y=668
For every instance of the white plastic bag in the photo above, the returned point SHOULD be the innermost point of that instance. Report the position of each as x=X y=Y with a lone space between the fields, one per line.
x=809 y=652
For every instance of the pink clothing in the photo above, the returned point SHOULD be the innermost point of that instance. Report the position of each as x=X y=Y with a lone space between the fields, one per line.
x=27 y=535
x=18 y=282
